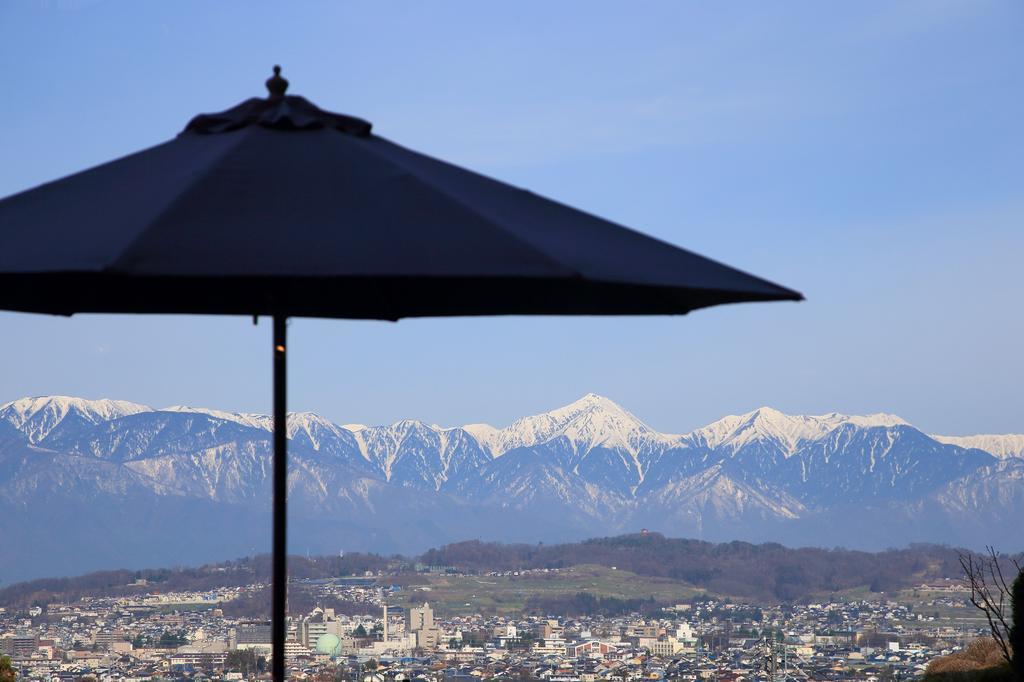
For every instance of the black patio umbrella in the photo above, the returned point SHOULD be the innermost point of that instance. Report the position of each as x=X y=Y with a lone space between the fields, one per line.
x=276 y=207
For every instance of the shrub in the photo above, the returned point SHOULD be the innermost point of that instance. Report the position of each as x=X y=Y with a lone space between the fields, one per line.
x=980 y=661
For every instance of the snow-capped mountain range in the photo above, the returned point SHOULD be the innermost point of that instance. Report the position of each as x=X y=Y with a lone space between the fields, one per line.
x=92 y=483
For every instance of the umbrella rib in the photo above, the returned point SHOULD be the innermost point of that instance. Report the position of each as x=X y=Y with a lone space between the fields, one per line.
x=117 y=264
x=454 y=198
x=180 y=196
x=402 y=163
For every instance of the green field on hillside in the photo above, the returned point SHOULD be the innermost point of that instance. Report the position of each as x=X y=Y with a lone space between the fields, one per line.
x=454 y=595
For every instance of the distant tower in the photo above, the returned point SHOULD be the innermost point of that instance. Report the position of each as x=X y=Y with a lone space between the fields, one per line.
x=773 y=651
x=385 y=622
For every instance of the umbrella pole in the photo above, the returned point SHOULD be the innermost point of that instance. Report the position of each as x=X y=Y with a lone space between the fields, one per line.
x=280 y=550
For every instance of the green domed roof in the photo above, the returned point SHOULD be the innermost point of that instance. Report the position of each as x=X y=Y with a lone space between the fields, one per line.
x=328 y=644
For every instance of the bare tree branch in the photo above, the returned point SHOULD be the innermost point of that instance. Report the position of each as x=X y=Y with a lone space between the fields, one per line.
x=990 y=593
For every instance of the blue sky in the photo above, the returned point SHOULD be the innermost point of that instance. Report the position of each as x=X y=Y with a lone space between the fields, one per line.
x=869 y=154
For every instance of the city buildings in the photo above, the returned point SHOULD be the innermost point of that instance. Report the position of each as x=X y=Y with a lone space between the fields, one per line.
x=131 y=640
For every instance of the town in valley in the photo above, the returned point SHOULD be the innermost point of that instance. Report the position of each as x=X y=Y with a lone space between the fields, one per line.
x=438 y=624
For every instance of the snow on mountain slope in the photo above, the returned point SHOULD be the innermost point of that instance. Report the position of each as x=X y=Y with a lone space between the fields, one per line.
x=486 y=435
x=149 y=434
x=37 y=417
x=585 y=466
x=223 y=473
x=712 y=492
x=258 y=421
x=307 y=427
x=787 y=432
x=320 y=433
x=38 y=480
x=538 y=478
x=415 y=454
x=875 y=463
x=992 y=493
x=1009 y=445
x=606 y=445
x=591 y=422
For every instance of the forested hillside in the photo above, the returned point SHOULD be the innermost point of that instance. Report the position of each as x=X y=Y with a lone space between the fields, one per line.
x=758 y=572
x=763 y=571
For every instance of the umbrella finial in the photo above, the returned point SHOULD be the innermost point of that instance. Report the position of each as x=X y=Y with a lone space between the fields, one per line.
x=276 y=85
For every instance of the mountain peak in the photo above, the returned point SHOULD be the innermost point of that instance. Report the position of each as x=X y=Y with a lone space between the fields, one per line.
x=591 y=402
x=37 y=416
x=62 y=403
x=411 y=425
x=591 y=421
x=486 y=435
x=786 y=431
x=876 y=419
x=595 y=399
x=1000 y=445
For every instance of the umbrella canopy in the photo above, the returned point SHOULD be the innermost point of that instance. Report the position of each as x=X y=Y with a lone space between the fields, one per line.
x=276 y=207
